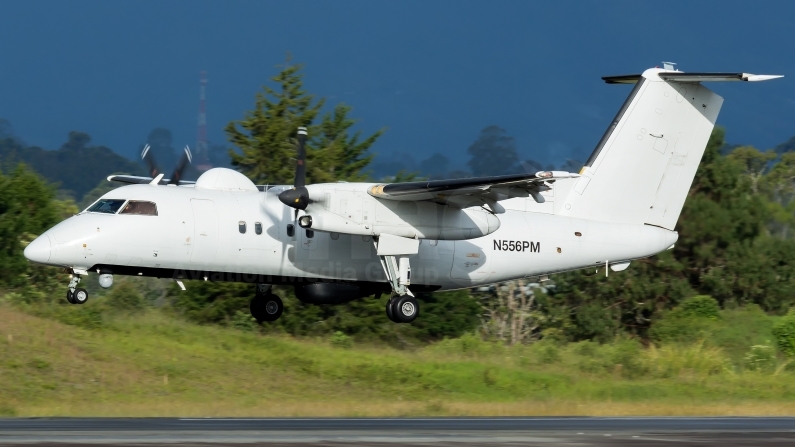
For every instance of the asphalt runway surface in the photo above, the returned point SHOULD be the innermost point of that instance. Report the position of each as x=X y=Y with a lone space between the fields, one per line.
x=526 y=431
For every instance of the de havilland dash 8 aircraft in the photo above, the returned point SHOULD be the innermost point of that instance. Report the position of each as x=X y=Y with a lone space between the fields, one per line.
x=336 y=242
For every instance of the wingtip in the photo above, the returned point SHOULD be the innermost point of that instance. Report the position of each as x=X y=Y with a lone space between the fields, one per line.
x=757 y=78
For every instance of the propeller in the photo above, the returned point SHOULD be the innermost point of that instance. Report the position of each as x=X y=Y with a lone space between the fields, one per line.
x=183 y=163
x=151 y=165
x=298 y=197
x=149 y=160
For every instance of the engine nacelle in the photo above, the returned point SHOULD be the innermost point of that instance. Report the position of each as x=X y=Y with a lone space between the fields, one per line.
x=345 y=209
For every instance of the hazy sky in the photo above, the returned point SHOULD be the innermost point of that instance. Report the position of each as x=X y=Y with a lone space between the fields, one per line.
x=432 y=72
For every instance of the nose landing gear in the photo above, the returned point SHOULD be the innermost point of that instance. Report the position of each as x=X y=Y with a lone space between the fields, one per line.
x=74 y=294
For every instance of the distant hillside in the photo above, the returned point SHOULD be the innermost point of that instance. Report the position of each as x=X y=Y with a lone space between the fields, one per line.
x=76 y=167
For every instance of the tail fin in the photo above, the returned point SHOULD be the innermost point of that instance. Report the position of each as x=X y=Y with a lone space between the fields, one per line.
x=642 y=168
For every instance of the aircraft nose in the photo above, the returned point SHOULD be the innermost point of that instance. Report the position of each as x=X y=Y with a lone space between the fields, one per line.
x=39 y=249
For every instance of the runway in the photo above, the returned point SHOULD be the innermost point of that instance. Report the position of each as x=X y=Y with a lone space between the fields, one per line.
x=530 y=431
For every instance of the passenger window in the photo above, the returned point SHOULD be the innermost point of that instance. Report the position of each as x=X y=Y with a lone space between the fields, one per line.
x=257 y=227
x=140 y=207
x=107 y=206
x=290 y=230
x=241 y=227
x=310 y=234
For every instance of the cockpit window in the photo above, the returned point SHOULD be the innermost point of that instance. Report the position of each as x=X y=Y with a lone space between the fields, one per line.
x=140 y=207
x=108 y=206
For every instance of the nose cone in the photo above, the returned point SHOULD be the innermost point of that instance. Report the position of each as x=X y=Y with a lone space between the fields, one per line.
x=39 y=250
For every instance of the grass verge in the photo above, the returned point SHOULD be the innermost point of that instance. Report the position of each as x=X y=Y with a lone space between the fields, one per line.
x=155 y=365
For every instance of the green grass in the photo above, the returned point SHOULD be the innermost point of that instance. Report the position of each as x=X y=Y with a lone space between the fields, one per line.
x=154 y=364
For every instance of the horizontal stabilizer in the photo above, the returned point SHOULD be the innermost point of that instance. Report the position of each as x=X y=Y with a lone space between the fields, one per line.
x=680 y=76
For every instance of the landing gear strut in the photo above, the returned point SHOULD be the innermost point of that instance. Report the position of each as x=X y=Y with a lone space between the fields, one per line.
x=265 y=306
x=394 y=253
x=74 y=294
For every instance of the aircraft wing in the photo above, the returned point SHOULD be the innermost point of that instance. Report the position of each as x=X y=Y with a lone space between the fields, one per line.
x=137 y=180
x=467 y=192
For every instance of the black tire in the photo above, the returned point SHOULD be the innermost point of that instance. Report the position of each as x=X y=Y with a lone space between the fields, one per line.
x=266 y=308
x=389 y=310
x=406 y=309
x=80 y=296
x=69 y=296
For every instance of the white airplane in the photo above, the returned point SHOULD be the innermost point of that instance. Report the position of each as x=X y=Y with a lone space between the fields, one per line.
x=336 y=242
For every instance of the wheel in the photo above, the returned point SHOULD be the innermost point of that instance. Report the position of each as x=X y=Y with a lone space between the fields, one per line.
x=69 y=296
x=266 y=308
x=389 y=311
x=80 y=296
x=406 y=309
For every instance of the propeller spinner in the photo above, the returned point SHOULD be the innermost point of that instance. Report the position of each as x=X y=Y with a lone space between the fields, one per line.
x=298 y=197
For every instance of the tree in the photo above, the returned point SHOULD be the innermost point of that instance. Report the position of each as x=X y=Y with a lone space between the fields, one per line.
x=75 y=168
x=493 y=153
x=435 y=166
x=266 y=136
x=754 y=162
x=333 y=155
x=511 y=313
x=26 y=210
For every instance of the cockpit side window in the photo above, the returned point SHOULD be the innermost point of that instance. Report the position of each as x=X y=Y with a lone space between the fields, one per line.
x=140 y=207
x=107 y=206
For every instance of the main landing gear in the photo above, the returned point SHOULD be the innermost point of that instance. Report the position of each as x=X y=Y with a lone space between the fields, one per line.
x=74 y=294
x=265 y=306
x=402 y=309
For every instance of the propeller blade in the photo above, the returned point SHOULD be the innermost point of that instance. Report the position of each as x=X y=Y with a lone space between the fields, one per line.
x=182 y=165
x=149 y=159
x=300 y=169
x=298 y=197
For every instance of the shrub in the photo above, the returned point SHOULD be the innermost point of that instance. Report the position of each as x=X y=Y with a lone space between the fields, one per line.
x=672 y=360
x=784 y=333
x=125 y=297
x=701 y=306
x=690 y=321
x=469 y=345
x=244 y=321
x=627 y=353
x=340 y=340
x=760 y=358
x=546 y=352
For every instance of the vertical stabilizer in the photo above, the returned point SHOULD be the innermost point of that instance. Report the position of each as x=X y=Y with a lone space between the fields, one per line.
x=642 y=168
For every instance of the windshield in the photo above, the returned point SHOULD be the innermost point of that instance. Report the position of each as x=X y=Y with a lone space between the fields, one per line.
x=140 y=207
x=108 y=206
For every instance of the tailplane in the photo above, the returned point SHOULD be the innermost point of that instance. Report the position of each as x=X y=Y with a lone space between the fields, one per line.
x=642 y=168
